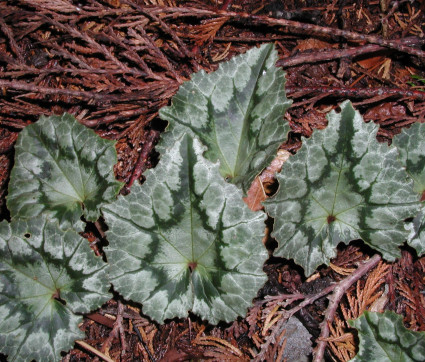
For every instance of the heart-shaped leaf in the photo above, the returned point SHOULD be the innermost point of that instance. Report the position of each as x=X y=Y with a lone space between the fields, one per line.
x=185 y=240
x=411 y=145
x=383 y=338
x=236 y=111
x=47 y=277
x=61 y=168
x=341 y=185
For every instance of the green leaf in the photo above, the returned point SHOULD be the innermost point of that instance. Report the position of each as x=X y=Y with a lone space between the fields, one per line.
x=236 y=111
x=341 y=185
x=416 y=238
x=185 y=240
x=411 y=146
x=383 y=338
x=47 y=278
x=61 y=168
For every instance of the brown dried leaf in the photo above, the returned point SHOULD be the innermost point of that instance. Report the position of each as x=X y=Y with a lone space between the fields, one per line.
x=314 y=43
x=385 y=111
x=371 y=62
x=257 y=193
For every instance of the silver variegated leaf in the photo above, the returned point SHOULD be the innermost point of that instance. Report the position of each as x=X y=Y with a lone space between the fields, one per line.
x=416 y=238
x=411 y=146
x=48 y=277
x=383 y=338
x=185 y=240
x=236 y=111
x=341 y=185
x=62 y=168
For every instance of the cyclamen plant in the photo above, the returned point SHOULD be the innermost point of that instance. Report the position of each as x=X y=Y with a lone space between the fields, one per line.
x=184 y=240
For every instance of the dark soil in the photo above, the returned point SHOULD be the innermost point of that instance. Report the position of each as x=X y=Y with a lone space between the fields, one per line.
x=114 y=63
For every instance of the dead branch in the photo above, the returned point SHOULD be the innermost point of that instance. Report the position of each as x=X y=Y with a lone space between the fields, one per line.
x=117 y=330
x=87 y=95
x=295 y=25
x=315 y=57
x=356 y=92
x=338 y=293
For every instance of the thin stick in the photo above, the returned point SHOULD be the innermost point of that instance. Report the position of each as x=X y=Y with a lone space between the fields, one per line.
x=286 y=314
x=338 y=293
x=316 y=57
x=118 y=329
x=295 y=25
x=50 y=90
x=340 y=287
x=339 y=53
x=13 y=45
x=357 y=92
x=58 y=69
x=94 y=351
x=144 y=344
x=88 y=95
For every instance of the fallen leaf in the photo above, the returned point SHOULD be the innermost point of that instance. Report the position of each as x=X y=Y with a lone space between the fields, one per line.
x=257 y=193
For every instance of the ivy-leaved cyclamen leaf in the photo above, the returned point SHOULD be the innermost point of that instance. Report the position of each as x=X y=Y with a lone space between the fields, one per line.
x=411 y=146
x=341 y=185
x=47 y=276
x=383 y=338
x=185 y=240
x=236 y=111
x=61 y=168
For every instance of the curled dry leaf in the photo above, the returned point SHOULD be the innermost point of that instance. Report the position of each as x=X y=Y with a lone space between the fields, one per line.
x=257 y=193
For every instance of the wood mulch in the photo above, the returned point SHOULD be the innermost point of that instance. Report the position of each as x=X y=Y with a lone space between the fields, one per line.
x=114 y=63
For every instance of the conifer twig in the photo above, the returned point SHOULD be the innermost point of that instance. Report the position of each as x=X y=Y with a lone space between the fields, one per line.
x=338 y=293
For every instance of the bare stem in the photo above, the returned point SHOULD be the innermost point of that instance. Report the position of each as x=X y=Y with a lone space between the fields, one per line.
x=338 y=293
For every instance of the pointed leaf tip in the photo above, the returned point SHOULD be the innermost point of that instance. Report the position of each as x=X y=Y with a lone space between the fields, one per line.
x=341 y=185
x=185 y=240
x=236 y=111
x=61 y=168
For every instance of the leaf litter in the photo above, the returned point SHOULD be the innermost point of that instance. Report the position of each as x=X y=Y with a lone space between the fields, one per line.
x=24 y=105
